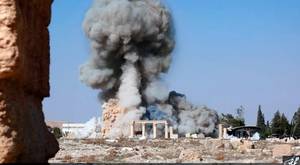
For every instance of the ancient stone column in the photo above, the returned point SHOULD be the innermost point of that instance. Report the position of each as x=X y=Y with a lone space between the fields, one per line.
x=24 y=81
x=143 y=130
x=220 y=131
x=171 y=131
x=224 y=131
x=166 y=130
x=132 y=129
x=154 y=130
x=172 y=135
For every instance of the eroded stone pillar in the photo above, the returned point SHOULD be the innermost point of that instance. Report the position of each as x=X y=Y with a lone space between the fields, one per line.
x=111 y=111
x=171 y=130
x=224 y=131
x=24 y=81
x=132 y=129
x=166 y=130
x=143 y=130
x=172 y=135
x=154 y=130
x=221 y=131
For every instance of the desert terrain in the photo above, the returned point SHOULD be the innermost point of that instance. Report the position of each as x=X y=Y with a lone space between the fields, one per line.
x=182 y=150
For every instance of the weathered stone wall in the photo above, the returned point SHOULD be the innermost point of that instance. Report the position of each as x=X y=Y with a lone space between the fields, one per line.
x=111 y=110
x=24 y=81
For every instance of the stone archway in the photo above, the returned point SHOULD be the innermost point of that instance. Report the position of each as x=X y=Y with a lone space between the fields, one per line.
x=24 y=74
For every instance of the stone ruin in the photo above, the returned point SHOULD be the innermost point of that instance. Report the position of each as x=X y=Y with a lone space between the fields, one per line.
x=111 y=112
x=154 y=124
x=24 y=73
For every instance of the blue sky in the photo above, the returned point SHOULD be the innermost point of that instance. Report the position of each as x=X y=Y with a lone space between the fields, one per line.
x=228 y=53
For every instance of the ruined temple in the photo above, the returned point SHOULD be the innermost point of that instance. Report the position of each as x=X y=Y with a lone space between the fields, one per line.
x=24 y=73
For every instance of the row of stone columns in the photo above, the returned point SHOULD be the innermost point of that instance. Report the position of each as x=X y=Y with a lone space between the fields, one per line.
x=154 y=124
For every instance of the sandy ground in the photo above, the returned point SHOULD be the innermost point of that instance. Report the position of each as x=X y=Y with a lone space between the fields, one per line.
x=172 y=151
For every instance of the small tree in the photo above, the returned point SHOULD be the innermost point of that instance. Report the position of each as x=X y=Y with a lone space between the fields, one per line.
x=230 y=120
x=280 y=125
x=233 y=121
x=260 y=122
x=276 y=122
x=285 y=125
x=57 y=132
x=295 y=124
x=268 y=124
x=268 y=130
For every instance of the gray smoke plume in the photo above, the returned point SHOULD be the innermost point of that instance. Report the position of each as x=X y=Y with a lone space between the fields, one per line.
x=131 y=45
x=129 y=39
x=131 y=42
x=184 y=116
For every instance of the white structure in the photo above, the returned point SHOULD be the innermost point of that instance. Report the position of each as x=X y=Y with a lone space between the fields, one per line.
x=90 y=129
x=71 y=128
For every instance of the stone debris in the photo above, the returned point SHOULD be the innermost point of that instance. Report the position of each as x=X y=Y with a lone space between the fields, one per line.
x=245 y=145
x=188 y=135
x=280 y=150
x=284 y=140
x=201 y=136
x=111 y=140
x=182 y=150
x=127 y=149
x=195 y=136
x=174 y=136
x=190 y=155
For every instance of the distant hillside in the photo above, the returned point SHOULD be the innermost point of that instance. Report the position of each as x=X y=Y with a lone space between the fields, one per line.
x=53 y=124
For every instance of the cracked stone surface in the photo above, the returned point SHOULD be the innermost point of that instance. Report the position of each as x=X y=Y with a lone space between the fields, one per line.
x=24 y=81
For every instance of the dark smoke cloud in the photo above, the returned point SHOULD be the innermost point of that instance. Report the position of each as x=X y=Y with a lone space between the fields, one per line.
x=131 y=45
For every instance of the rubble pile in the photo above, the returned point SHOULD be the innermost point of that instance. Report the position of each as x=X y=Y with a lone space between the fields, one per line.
x=182 y=150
